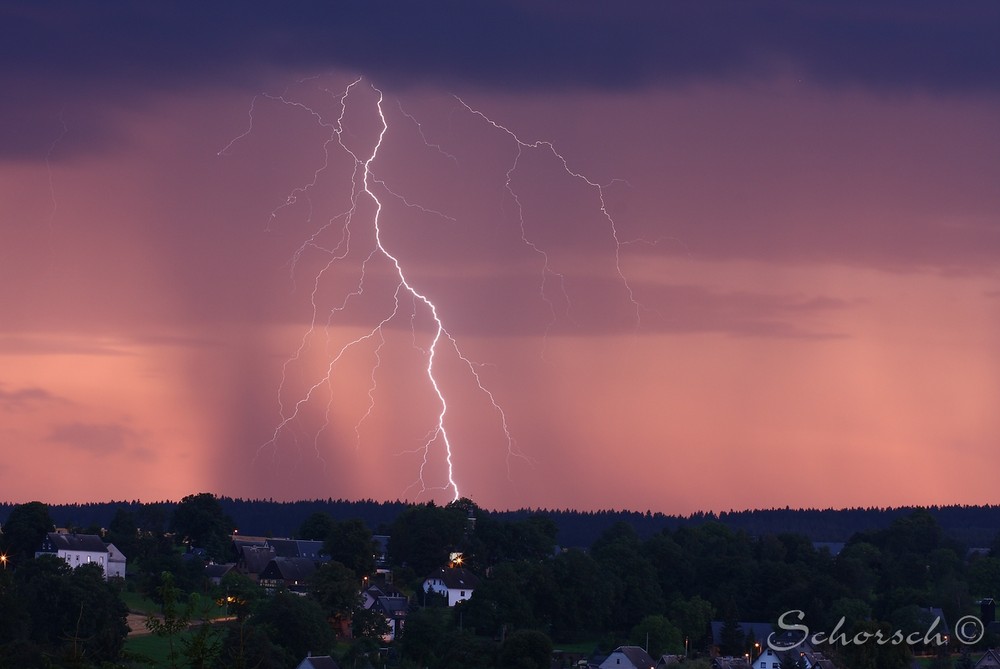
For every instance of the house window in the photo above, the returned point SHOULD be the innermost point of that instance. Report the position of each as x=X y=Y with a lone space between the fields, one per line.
x=463 y=593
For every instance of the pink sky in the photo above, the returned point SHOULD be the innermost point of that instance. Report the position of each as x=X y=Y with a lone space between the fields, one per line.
x=802 y=307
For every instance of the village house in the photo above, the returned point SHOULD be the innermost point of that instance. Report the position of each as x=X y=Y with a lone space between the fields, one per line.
x=298 y=548
x=455 y=583
x=769 y=658
x=730 y=663
x=116 y=562
x=252 y=558
x=294 y=574
x=628 y=657
x=216 y=572
x=809 y=658
x=78 y=549
x=394 y=609
x=391 y=603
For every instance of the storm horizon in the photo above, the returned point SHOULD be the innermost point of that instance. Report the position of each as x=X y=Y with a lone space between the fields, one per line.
x=657 y=256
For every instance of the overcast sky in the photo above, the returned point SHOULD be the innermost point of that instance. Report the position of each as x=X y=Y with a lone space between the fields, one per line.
x=684 y=255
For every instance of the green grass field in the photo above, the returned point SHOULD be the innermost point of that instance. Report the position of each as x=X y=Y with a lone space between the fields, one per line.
x=140 y=603
x=149 y=650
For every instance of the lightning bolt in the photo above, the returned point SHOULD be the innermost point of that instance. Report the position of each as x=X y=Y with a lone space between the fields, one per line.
x=367 y=192
x=597 y=188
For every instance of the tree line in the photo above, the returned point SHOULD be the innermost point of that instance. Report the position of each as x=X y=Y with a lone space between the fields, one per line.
x=662 y=588
x=974 y=526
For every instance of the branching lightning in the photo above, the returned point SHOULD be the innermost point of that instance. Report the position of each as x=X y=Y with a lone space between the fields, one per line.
x=599 y=189
x=367 y=190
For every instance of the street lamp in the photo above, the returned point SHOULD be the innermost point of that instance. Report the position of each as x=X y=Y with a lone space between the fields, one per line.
x=3 y=558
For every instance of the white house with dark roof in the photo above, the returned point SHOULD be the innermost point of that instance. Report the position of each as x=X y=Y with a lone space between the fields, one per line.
x=455 y=583
x=78 y=549
x=628 y=657
x=809 y=658
x=116 y=562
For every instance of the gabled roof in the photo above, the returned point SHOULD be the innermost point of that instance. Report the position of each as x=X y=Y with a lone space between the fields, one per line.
x=241 y=541
x=115 y=555
x=392 y=606
x=217 y=570
x=457 y=578
x=636 y=655
x=254 y=558
x=289 y=569
x=285 y=548
x=84 y=543
x=312 y=550
x=318 y=662
x=990 y=659
x=298 y=548
x=729 y=663
x=819 y=661
x=383 y=590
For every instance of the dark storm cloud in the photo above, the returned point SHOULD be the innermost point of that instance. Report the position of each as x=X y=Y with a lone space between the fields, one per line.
x=511 y=44
x=85 y=55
